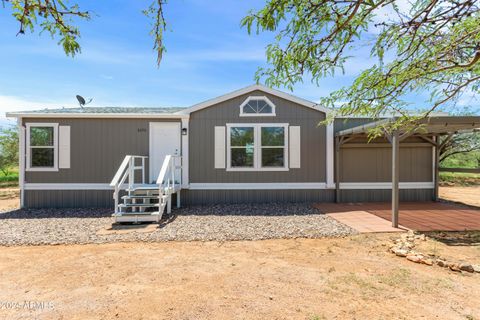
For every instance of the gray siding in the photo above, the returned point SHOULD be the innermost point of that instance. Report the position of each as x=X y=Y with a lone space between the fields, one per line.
x=375 y=164
x=98 y=147
x=103 y=198
x=68 y=199
x=197 y=197
x=201 y=137
x=362 y=160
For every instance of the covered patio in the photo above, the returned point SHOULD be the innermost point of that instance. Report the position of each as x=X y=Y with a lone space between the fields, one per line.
x=415 y=215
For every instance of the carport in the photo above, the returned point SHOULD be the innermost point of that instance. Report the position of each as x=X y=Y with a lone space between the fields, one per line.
x=429 y=129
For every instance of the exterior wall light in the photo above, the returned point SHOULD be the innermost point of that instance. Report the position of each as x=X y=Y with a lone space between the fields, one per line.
x=184 y=131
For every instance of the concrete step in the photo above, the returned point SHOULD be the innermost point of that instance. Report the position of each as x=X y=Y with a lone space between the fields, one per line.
x=138 y=217
x=146 y=213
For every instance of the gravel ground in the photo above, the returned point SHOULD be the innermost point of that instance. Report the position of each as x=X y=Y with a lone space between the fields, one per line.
x=195 y=223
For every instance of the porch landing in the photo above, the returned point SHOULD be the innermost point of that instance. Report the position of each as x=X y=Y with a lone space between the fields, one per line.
x=419 y=216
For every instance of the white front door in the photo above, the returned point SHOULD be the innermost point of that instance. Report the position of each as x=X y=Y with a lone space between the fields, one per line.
x=164 y=140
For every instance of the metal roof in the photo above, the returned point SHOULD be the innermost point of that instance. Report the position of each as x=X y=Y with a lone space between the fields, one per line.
x=103 y=110
x=429 y=125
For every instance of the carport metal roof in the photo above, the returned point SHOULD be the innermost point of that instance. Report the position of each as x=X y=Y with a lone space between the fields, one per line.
x=425 y=128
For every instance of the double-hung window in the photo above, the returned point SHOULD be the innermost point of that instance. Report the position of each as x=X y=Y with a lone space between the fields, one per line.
x=42 y=146
x=257 y=147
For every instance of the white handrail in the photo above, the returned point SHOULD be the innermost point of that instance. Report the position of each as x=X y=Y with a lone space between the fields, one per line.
x=166 y=179
x=163 y=170
x=120 y=171
x=126 y=170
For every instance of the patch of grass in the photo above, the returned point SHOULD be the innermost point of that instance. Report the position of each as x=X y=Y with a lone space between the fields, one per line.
x=442 y=283
x=353 y=279
x=459 y=179
x=12 y=175
x=10 y=180
x=396 y=278
x=9 y=184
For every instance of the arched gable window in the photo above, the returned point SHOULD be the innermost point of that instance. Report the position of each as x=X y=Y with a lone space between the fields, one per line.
x=257 y=106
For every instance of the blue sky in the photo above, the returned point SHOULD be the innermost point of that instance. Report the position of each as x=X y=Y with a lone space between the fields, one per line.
x=208 y=54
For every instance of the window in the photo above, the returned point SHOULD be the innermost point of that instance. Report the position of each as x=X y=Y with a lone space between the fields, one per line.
x=273 y=147
x=257 y=147
x=242 y=144
x=42 y=141
x=257 y=106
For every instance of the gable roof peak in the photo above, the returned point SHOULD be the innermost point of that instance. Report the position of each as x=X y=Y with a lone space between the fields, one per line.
x=251 y=88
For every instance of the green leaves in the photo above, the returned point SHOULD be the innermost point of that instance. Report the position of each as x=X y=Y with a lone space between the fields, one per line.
x=8 y=149
x=429 y=47
x=159 y=25
x=53 y=16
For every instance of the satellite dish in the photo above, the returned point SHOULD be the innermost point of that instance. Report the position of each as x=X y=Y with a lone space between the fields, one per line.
x=82 y=102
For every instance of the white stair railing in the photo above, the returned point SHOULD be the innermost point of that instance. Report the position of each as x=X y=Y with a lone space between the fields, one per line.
x=167 y=185
x=127 y=170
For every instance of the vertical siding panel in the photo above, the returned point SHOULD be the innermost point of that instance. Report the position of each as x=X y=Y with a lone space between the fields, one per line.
x=203 y=121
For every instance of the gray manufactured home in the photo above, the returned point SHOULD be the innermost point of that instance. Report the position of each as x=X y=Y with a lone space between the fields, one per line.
x=252 y=145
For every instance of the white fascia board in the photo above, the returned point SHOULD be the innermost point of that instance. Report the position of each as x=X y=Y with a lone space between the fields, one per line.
x=258 y=186
x=384 y=185
x=231 y=95
x=98 y=115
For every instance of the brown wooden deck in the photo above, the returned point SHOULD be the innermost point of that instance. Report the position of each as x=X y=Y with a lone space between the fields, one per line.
x=419 y=216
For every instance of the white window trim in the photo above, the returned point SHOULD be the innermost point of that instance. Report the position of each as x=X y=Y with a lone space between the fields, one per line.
x=55 y=147
x=270 y=103
x=257 y=147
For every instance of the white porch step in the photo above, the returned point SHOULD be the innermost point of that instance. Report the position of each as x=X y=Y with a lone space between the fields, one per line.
x=154 y=190
x=133 y=196
x=143 y=187
x=134 y=205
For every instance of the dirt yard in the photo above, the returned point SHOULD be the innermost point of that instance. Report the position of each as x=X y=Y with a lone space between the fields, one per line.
x=466 y=195
x=343 y=278
x=350 y=278
x=9 y=199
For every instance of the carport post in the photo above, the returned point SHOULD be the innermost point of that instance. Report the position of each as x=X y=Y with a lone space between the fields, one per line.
x=395 y=176
x=436 y=177
x=337 y=169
